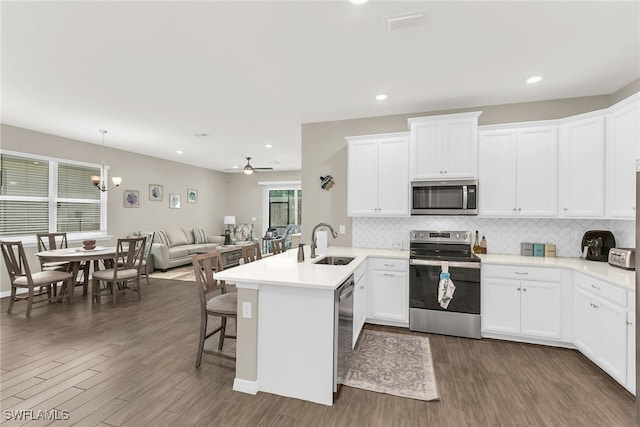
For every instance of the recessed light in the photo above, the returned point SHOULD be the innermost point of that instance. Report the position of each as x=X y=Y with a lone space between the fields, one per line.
x=534 y=79
x=178 y=151
x=358 y=2
x=200 y=134
x=381 y=97
x=268 y=146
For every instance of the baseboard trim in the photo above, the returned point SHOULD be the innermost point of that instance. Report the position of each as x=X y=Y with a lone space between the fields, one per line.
x=245 y=386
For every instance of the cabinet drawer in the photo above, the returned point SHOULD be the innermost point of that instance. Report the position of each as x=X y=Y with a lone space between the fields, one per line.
x=389 y=264
x=604 y=290
x=523 y=273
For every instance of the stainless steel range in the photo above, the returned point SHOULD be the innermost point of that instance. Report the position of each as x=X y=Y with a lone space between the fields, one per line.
x=428 y=250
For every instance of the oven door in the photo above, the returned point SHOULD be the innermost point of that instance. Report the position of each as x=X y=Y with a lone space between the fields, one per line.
x=424 y=277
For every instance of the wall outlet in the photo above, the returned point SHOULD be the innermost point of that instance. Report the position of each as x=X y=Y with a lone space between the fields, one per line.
x=343 y=229
x=246 y=310
x=253 y=219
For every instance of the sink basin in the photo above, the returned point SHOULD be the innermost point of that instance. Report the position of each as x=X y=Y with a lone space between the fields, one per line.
x=335 y=260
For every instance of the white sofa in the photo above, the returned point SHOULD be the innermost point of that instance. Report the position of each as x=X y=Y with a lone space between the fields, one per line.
x=174 y=246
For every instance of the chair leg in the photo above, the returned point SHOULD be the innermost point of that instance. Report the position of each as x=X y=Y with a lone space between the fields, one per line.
x=223 y=331
x=30 y=301
x=85 y=284
x=203 y=334
x=95 y=289
x=114 y=292
x=12 y=299
x=138 y=288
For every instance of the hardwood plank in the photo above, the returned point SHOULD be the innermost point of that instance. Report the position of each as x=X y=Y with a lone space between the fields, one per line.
x=138 y=360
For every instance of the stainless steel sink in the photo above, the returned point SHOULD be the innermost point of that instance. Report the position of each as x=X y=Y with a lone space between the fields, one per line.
x=335 y=260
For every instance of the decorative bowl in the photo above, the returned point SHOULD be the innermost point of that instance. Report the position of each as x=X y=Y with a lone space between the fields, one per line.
x=88 y=244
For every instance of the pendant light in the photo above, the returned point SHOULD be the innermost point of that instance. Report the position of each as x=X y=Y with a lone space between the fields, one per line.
x=98 y=181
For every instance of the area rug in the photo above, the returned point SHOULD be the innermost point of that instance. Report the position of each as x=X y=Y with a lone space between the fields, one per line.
x=396 y=364
x=184 y=273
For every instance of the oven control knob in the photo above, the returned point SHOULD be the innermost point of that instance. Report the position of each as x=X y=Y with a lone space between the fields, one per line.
x=465 y=237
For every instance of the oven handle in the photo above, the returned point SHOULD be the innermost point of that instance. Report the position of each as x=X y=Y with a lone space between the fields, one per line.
x=474 y=265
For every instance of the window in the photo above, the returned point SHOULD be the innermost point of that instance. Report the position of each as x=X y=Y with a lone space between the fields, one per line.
x=283 y=204
x=43 y=194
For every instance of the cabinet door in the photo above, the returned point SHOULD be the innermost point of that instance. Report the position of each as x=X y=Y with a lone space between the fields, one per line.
x=623 y=137
x=362 y=184
x=427 y=154
x=497 y=173
x=541 y=305
x=631 y=351
x=581 y=168
x=359 y=307
x=612 y=342
x=501 y=305
x=393 y=177
x=389 y=296
x=536 y=172
x=585 y=325
x=460 y=149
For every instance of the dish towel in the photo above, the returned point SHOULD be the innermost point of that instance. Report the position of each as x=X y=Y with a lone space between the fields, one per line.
x=446 y=288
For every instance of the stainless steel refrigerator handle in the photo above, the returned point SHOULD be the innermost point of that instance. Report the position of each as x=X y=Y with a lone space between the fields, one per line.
x=474 y=265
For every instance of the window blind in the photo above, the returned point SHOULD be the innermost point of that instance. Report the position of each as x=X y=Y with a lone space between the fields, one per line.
x=22 y=176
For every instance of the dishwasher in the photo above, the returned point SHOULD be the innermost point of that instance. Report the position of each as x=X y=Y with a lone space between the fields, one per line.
x=343 y=332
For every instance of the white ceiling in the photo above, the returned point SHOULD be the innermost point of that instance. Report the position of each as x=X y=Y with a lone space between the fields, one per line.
x=154 y=74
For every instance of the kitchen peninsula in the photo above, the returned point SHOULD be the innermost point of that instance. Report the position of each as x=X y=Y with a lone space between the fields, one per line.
x=285 y=324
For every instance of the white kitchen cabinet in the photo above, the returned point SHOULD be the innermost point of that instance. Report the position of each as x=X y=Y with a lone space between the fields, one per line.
x=622 y=150
x=581 y=167
x=378 y=177
x=359 y=301
x=444 y=146
x=388 y=291
x=518 y=171
x=601 y=325
x=522 y=301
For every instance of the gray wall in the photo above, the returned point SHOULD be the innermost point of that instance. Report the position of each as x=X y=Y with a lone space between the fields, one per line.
x=324 y=149
x=137 y=172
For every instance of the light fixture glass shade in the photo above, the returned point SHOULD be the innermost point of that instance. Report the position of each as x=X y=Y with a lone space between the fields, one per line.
x=230 y=220
x=248 y=170
x=95 y=179
x=116 y=180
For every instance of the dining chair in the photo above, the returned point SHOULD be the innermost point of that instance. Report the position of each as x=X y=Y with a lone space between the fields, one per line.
x=20 y=276
x=145 y=257
x=251 y=253
x=223 y=305
x=53 y=241
x=127 y=268
x=277 y=246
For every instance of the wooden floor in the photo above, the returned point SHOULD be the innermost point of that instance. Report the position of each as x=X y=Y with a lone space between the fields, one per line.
x=133 y=365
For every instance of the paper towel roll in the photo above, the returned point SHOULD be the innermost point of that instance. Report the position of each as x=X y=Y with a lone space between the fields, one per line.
x=321 y=239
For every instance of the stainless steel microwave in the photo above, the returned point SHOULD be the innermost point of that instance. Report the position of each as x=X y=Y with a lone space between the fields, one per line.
x=444 y=197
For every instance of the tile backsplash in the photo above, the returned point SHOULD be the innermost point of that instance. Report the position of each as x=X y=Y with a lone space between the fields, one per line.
x=503 y=234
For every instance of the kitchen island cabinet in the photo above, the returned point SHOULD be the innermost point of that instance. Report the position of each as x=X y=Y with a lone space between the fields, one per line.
x=285 y=326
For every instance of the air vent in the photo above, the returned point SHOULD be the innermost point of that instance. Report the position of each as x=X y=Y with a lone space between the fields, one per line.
x=405 y=20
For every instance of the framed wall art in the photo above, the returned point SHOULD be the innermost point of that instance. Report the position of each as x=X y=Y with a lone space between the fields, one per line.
x=174 y=201
x=131 y=199
x=192 y=196
x=155 y=192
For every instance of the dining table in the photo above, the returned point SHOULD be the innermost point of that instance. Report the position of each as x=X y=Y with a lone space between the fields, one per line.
x=75 y=257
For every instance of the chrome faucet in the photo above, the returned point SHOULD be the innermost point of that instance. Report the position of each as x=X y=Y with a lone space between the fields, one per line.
x=314 y=240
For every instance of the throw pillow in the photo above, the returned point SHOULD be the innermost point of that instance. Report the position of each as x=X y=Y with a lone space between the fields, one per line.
x=161 y=238
x=199 y=235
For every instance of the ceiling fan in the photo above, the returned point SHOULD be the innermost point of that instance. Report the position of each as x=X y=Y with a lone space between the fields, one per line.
x=248 y=169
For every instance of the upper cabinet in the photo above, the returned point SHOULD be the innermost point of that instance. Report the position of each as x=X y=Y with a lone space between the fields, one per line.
x=622 y=150
x=518 y=171
x=444 y=147
x=581 y=166
x=378 y=177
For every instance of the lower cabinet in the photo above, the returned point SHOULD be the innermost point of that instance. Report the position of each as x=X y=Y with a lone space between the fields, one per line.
x=530 y=308
x=600 y=325
x=388 y=291
x=359 y=301
x=631 y=351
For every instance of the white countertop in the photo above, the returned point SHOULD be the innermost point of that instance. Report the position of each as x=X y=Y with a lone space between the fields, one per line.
x=599 y=270
x=284 y=269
